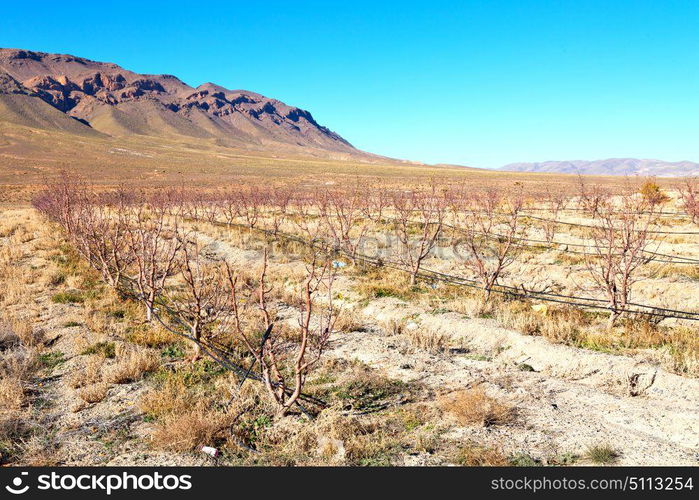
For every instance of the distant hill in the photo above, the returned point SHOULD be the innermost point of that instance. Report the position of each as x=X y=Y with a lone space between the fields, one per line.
x=77 y=95
x=612 y=166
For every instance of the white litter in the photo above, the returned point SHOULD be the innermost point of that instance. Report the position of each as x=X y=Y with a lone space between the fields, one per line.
x=210 y=451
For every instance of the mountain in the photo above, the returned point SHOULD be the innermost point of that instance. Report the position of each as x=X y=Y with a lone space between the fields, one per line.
x=612 y=166
x=84 y=97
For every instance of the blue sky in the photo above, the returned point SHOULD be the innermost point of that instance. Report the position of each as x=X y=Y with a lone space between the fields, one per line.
x=480 y=83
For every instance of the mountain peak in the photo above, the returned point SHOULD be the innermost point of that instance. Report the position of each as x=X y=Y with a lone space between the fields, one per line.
x=117 y=101
x=610 y=166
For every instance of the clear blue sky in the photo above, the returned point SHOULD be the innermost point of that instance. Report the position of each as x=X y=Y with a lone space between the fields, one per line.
x=479 y=83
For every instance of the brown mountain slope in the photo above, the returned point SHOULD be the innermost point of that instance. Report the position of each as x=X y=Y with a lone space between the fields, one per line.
x=119 y=102
x=21 y=106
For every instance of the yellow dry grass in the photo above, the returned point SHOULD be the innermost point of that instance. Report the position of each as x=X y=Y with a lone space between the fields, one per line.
x=475 y=407
x=131 y=365
x=93 y=393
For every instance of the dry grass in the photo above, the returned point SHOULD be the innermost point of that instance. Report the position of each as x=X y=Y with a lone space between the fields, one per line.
x=333 y=439
x=602 y=454
x=90 y=373
x=93 y=393
x=564 y=325
x=348 y=321
x=475 y=455
x=131 y=365
x=660 y=270
x=18 y=364
x=14 y=430
x=374 y=283
x=475 y=407
x=184 y=418
x=12 y=394
x=427 y=340
x=678 y=346
x=172 y=397
x=15 y=332
x=189 y=429
x=683 y=348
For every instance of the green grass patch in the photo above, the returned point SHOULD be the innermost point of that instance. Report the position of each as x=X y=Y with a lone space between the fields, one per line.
x=172 y=352
x=201 y=374
x=68 y=298
x=523 y=460
x=51 y=360
x=602 y=454
x=104 y=349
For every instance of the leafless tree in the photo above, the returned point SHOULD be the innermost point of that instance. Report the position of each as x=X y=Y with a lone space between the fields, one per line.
x=101 y=239
x=554 y=202
x=250 y=206
x=154 y=247
x=287 y=360
x=307 y=218
x=343 y=217
x=279 y=201
x=201 y=298
x=618 y=247
x=492 y=231
x=689 y=194
x=376 y=201
x=419 y=221
x=590 y=197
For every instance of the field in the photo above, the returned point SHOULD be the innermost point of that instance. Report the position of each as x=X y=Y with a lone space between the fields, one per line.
x=31 y=156
x=337 y=314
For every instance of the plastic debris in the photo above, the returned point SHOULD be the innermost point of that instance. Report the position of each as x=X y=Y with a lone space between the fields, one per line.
x=209 y=450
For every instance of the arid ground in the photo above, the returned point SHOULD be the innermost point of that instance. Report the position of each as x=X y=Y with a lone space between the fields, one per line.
x=427 y=373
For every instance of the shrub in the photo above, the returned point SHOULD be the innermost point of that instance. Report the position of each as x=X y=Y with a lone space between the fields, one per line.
x=475 y=407
x=652 y=193
x=602 y=454
x=93 y=393
x=474 y=455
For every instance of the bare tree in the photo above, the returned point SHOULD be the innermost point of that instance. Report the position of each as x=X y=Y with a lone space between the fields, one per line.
x=202 y=297
x=376 y=202
x=307 y=218
x=492 y=232
x=287 y=360
x=419 y=221
x=554 y=202
x=618 y=248
x=250 y=206
x=689 y=194
x=154 y=248
x=590 y=197
x=101 y=239
x=279 y=201
x=343 y=217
